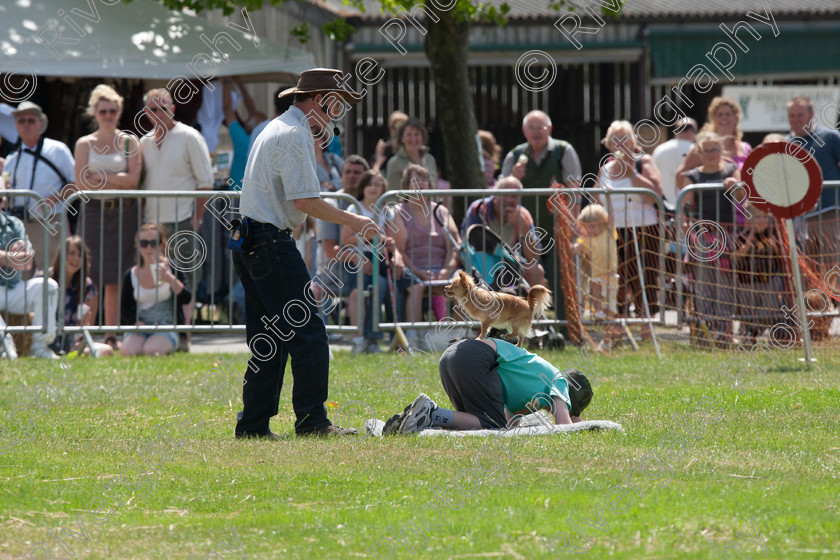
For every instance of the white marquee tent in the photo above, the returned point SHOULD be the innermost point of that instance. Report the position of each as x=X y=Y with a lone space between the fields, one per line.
x=141 y=39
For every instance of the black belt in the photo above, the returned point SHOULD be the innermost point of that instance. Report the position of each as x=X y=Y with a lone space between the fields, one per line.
x=262 y=226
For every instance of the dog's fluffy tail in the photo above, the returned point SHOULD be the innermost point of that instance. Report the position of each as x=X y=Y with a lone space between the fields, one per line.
x=539 y=299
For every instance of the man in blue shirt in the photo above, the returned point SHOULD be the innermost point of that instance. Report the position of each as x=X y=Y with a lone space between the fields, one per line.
x=824 y=145
x=492 y=384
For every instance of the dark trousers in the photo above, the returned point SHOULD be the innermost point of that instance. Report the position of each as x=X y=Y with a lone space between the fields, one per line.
x=469 y=374
x=273 y=274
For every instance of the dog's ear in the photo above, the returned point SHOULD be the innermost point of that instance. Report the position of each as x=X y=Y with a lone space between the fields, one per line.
x=462 y=275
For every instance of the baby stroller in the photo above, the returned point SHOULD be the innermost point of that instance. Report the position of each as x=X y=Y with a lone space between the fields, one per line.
x=492 y=262
x=494 y=265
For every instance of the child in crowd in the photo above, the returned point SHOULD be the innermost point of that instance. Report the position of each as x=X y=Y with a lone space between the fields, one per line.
x=760 y=270
x=154 y=293
x=492 y=384
x=80 y=307
x=599 y=245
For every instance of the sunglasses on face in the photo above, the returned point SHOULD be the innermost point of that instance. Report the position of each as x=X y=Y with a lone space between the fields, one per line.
x=156 y=109
x=148 y=243
x=32 y=120
x=107 y=111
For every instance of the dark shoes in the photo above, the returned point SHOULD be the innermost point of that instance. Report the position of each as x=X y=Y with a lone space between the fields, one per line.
x=329 y=431
x=326 y=431
x=258 y=435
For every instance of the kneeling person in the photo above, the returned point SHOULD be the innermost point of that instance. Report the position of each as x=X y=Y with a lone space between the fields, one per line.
x=491 y=383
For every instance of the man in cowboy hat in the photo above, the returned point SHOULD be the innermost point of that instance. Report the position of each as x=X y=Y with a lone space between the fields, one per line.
x=279 y=189
x=42 y=165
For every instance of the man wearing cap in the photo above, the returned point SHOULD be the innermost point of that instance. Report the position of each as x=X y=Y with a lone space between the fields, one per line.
x=42 y=165
x=279 y=189
x=670 y=155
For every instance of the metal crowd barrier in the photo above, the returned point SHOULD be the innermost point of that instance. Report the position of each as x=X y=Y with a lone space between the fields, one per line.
x=543 y=197
x=221 y=207
x=802 y=226
x=223 y=218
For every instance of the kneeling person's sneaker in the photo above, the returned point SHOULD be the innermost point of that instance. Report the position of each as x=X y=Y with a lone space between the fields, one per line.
x=392 y=424
x=418 y=415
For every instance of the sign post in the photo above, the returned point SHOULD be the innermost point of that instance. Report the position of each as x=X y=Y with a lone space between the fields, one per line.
x=785 y=181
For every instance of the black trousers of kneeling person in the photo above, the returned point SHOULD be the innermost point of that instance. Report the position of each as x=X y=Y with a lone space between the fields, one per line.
x=469 y=374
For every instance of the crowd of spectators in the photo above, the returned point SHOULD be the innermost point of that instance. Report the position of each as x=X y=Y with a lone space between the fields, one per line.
x=114 y=259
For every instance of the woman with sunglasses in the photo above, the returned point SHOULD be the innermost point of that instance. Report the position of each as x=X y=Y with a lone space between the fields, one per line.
x=153 y=294
x=108 y=159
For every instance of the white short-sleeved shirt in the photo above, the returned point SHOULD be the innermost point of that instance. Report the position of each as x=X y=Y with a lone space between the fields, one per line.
x=47 y=181
x=628 y=210
x=182 y=163
x=280 y=170
x=668 y=157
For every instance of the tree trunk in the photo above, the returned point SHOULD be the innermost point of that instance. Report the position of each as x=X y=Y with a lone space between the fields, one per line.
x=447 y=45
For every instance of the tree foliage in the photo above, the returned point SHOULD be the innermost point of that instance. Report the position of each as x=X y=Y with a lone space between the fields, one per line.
x=446 y=47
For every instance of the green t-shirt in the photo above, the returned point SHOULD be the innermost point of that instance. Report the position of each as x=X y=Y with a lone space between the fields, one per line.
x=525 y=375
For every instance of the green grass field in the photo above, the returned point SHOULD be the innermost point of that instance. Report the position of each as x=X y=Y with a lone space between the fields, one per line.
x=94 y=475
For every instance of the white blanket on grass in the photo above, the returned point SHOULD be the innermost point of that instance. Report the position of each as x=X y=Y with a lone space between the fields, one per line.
x=519 y=431
x=530 y=426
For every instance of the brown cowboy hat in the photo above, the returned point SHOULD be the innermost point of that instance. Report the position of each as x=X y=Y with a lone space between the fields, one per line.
x=321 y=80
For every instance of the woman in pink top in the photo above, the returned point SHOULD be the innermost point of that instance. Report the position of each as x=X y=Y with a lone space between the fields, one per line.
x=428 y=251
x=723 y=118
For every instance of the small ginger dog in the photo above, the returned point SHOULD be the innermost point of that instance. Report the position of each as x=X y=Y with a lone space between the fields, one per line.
x=497 y=309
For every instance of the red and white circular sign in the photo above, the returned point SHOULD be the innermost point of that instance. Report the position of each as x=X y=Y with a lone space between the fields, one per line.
x=783 y=179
